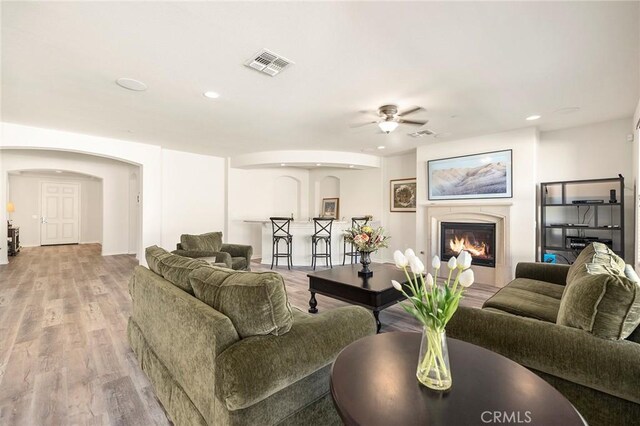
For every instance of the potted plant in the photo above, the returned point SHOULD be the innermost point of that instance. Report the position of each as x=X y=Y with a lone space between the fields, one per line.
x=367 y=240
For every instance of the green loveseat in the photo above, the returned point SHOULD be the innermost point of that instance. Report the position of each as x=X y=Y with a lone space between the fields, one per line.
x=210 y=245
x=600 y=376
x=203 y=371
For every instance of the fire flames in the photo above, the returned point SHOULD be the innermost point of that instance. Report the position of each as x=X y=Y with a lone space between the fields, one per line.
x=475 y=250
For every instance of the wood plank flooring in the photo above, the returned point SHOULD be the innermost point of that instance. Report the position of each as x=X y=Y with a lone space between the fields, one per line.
x=64 y=356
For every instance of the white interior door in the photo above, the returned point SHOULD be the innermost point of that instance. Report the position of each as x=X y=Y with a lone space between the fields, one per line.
x=60 y=217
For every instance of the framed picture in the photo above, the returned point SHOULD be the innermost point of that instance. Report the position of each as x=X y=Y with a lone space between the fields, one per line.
x=330 y=208
x=403 y=195
x=486 y=175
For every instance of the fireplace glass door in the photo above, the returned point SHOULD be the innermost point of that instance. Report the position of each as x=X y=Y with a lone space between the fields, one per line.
x=479 y=239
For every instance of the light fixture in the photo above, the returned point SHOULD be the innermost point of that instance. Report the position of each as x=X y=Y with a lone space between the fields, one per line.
x=532 y=117
x=381 y=147
x=567 y=110
x=58 y=171
x=211 y=95
x=388 y=126
x=11 y=207
x=351 y=166
x=282 y=164
x=131 y=84
x=318 y=164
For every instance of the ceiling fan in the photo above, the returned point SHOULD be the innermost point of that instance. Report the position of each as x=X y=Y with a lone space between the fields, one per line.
x=390 y=118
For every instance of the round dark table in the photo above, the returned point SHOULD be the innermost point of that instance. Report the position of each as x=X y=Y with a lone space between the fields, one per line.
x=373 y=382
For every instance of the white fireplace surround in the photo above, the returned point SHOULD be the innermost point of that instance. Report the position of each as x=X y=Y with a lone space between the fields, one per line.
x=498 y=213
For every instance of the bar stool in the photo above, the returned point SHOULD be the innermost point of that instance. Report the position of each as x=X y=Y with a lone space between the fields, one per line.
x=322 y=227
x=280 y=232
x=352 y=253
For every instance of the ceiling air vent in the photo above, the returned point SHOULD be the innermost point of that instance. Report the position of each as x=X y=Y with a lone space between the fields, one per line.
x=421 y=133
x=268 y=62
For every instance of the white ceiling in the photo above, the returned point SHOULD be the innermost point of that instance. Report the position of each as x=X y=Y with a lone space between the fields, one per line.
x=476 y=67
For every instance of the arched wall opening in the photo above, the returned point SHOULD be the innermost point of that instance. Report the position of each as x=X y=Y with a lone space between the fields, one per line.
x=327 y=187
x=148 y=159
x=108 y=196
x=287 y=197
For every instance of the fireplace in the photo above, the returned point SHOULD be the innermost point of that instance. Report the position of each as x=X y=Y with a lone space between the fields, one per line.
x=479 y=239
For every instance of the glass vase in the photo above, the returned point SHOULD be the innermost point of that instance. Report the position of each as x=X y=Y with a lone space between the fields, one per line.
x=433 y=363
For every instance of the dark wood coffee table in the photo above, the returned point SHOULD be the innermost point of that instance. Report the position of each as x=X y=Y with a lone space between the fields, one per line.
x=343 y=283
x=373 y=382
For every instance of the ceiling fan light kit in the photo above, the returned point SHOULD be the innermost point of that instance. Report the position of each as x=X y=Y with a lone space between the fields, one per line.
x=388 y=126
x=391 y=118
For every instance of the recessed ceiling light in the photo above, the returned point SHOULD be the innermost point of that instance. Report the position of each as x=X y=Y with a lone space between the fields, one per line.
x=567 y=110
x=282 y=164
x=351 y=166
x=381 y=147
x=211 y=95
x=131 y=84
x=58 y=171
x=532 y=117
x=318 y=164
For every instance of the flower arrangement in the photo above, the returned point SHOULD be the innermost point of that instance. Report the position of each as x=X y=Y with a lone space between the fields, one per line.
x=433 y=305
x=366 y=239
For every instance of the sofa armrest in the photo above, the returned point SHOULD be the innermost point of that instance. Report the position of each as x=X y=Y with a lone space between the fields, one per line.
x=551 y=273
x=259 y=366
x=221 y=257
x=185 y=334
x=239 y=250
x=610 y=366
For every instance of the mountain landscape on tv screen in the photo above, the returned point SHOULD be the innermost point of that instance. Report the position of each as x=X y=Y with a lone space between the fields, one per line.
x=486 y=179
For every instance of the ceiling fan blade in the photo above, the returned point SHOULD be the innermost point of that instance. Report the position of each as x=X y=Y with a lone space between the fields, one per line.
x=409 y=111
x=414 y=122
x=354 y=126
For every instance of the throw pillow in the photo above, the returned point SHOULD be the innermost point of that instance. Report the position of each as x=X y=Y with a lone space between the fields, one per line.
x=606 y=305
x=255 y=302
x=176 y=269
x=154 y=254
x=630 y=273
x=211 y=241
x=595 y=258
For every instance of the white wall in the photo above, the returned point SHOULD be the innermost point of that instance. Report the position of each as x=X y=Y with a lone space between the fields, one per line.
x=400 y=225
x=253 y=194
x=193 y=195
x=360 y=191
x=594 y=151
x=24 y=192
x=524 y=143
x=115 y=175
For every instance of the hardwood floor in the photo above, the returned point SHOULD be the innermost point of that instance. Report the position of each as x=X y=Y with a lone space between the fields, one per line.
x=64 y=356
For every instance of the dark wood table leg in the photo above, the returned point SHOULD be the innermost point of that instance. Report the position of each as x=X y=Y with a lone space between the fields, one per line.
x=378 y=323
x=313 y=303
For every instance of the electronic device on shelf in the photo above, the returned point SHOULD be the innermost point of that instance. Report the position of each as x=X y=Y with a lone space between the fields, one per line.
x=578 y=243
x=587 y=202
x=570 y=224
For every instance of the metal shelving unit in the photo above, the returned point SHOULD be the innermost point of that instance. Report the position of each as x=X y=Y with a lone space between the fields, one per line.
x=592 y=220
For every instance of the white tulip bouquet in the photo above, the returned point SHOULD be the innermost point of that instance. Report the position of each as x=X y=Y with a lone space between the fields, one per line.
x=433 y=305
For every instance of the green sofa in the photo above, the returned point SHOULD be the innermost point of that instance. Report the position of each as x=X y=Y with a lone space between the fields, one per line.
x=210 y=245
x=203 y=371
x=599 y=375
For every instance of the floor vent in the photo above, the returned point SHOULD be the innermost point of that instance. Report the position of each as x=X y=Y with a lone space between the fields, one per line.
x=268 y=62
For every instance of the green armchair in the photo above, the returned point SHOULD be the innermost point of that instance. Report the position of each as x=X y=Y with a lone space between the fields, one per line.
x=233 y=256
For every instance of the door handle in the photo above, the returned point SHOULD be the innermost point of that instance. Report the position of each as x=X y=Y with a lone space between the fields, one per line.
x=43 y=219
